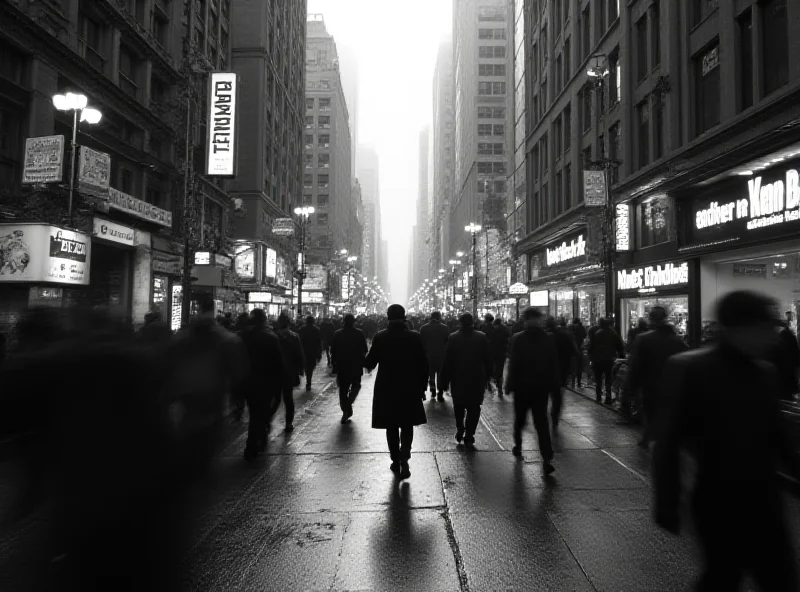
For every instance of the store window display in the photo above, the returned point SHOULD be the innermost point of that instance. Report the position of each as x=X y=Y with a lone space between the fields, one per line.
x=677 y=308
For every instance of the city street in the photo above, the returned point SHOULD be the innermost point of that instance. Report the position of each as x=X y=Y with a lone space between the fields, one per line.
x=322 y=511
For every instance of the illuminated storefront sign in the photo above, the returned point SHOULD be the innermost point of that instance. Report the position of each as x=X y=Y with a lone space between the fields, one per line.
x=623 y=227
x=259 y=297
x=44 y=253
x=221 y=146
x=651 y=277
x=568 y=250
x=271 y=264
x=202 y=258
x=540 y=298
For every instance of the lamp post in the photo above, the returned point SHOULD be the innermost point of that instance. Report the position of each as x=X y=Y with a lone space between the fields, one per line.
x=454 y=263
x=598 y=72
x=302 y=221
x=474 y=229
x=75 y=103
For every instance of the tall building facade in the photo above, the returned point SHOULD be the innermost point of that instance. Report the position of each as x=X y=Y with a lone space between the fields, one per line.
x=420 y=245
x=484 y=93
x=269 y=178
x=694 y=146
x=517 y=206
x=369 y=179
x=348 y=68
x=327 y=180
x=128 y=60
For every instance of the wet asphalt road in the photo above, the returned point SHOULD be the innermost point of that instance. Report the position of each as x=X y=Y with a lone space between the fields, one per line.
x=322 y=511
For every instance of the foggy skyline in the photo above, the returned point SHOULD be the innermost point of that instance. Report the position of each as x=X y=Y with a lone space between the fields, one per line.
x=396 y=50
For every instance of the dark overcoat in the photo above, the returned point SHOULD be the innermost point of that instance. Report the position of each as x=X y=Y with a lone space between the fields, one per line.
x=467 y=366
x=434 y=339
x=402 y=377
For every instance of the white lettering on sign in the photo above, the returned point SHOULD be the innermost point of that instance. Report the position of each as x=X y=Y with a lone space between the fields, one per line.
x=566 y=252
x=653 y=276
x=766 y=205
x=222 y=124
x=623 y=233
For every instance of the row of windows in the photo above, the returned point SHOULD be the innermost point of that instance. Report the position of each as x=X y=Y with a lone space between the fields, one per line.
x=648 y=44
x=491 y=69
x=323 y=141
x=322 y=180
x=323 y=160
x=491 y=88
x=492 y=34
x=324 y=104
x=491 y=149
x=489 y=129
x=492 y=168
x=492 y=51
x=322 y=199
x=490 y=186
x=324 y=121
x=491 y=112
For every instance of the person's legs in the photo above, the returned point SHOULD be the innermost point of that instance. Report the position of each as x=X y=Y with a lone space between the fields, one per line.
x=539 y=411
x=579 y=369
x=521 y=406
x=499 y=365
x=607 y=371
x=393 y=440
x=406 y=439
x=459 y=410
x=355 y=387
x=473 y=417
x=597 y=370
x=723 y=564
x=439 y=389
x=328 y=353
x=257 y=426
x=432 y=378
x=288 y=402
x=310 y=365
x=772 y=558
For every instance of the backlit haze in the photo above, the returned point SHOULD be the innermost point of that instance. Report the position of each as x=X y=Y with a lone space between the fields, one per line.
x=396 y=45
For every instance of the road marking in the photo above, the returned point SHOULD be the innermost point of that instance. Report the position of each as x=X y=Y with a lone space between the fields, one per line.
x=491 y=432
x=623 y=465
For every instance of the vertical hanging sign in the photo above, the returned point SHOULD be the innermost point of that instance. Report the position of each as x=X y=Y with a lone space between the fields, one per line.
x=622 y=229
x=221 y=147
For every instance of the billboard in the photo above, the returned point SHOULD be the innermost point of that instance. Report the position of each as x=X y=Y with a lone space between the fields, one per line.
x=94 y=171
x=43 y=253
x=44 y=160
x=221 y=148
x=271 y=264
x=316 y=278
x=594 y=188
x=245 y=261
x=283 y=227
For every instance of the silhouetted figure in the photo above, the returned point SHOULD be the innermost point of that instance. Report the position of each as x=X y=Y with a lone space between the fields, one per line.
x=434 y=339
x=605 y=345
x=348 y=350
x=155 y=330
x=649 y=356
x=399 y=387
x=311 y=340
x=786 y=358
x=499 y=336
x=634 y=332
x=294 y=365
x=264 y=381
x=567 y=351
x=723 y=408
x=579 y=335
x=467 y=370
x=327 y=330
x=533 y=374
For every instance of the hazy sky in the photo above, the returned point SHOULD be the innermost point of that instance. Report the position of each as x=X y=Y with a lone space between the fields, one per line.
x=396 y=44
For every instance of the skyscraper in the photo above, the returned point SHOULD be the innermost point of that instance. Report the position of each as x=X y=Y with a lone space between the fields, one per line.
x=369 y=178
x=442 y=151
x=348 y=68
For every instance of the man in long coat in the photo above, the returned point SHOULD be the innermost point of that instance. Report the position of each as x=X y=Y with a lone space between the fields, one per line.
x=434 y=338
x=311 y=340
x=467 y=370
x=399 y=387
x=348 y=348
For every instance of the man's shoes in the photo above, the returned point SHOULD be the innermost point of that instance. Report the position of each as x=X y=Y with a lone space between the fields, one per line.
x=289 y=427
x=395 y=467
x=460 y=436
x=345 y=418
x=548 y=468
x=350 y=412
x=517 y=451
x=405 y=472
x=469 y=445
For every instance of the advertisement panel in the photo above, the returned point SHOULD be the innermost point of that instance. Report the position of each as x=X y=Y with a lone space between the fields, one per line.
x=43 y=253
x=259 y=297
x=111 y=231
x=94 y=171
x=282 y=275
x=650 y=278
x=117 y=200
x=345 y=287
x=271 y=265
x=570 y=250
x=221 y=147
x=316 y=278
x=283 y=227
x=622 y=228
x=245 y=261
x=540 y=298
x=594 y=188
x=44 y=160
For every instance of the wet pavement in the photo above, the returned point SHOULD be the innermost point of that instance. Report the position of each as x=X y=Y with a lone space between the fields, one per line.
x=322 y=511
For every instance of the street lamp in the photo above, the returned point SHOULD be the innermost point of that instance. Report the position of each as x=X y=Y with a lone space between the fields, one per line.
x=75 y=103
x=474 y=229
x=302 y=221
x=597 y=72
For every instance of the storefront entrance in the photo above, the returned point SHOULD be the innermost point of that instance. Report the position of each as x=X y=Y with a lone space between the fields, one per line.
x=110 y=279
x=633 y=309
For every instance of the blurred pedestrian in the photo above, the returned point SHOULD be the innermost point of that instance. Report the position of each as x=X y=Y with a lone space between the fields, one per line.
x=155 y=330
x=467 y=370
x=499 y=336
x=786 y=358
x=724 y=409
x=605 y=345
x=399 y=387
x=311 y=340
x=264 y=381
x=567 y=351
x=348 y=350
x=579 y=335
x=294 y=365
x=645 y=374
x=327 y=330
x=434 y=339
x=633 y=332
x=533 y=374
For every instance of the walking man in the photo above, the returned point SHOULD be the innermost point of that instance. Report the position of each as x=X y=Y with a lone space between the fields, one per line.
x=294 y=364
x=578 y=332
x=434 y=338
x=723 y=407
x=533 y=374
x=566 y=350
x=467 y=369
x=327 y=330
x=348 y=349
x=399 y=387
x=264 y=381
x=498 y=344
x=311 y=340
x=605 y=345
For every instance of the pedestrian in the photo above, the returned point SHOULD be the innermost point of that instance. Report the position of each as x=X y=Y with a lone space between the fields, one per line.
x=467 y=370
x=645 y=373
x=311 y=340
x=242 y=322
x=579 y=335
x=633 y=332
x=348 y=349
x=434 y=339
x=605 y=345
x=786 y=358
x=499 y=337
x=399 y=387
x=154 y=331
x=533 y=374
x=264 y=382
x=327 y=330
x=723 y=408
x=567 y=351
x=294 y=366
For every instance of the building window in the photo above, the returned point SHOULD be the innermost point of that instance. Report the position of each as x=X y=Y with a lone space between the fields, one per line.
x=568 y=186
x=323 y=180
x=90 y=41
x=498 y=149
x=586 y=40
x=614 y=150
x=557 y=136
x=308 y=199
x=707 y=89
x=654 y=221
x=322 y=199
x=309 y=140
x=545 y=155
x=324 y=141
x=126 y=181
x=614 y=79
x=308 y=181
x=534 y=70
x=308 y=160
x=484 y=88
x=322 y=219
x=544 y=203
x=586 y=108
x=500 y=187
x=309 y=104
x=485 y=51
x=484 y=168
x=567 y=117
x=567 y=61
x=643 y=137
x=500 y=34
x=775 y=54
x=602 y=15
x=323 y=160
x=484 y=129
x=641 y=49
x=325 y=104
x=658 y=127
x=746 y=60
x=325 y=121
x=613 y=11
x=559 y=72
x=128 y=72
x=309 y=121
x=484 y=149
x=485 y=34
x=559 y=198
x=499 y=168
x=702 y=9
x=499 y=129
x=484 y=112
x=655 y=33
x=498 y=88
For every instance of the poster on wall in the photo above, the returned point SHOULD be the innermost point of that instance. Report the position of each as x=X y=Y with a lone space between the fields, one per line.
x=316 y=278
x=43 y=253
x=594 y=188
x=271 y=264
x=245 y=261
x=222 y=116
x=44 y=160
x=281 y=274
x=94 y=171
